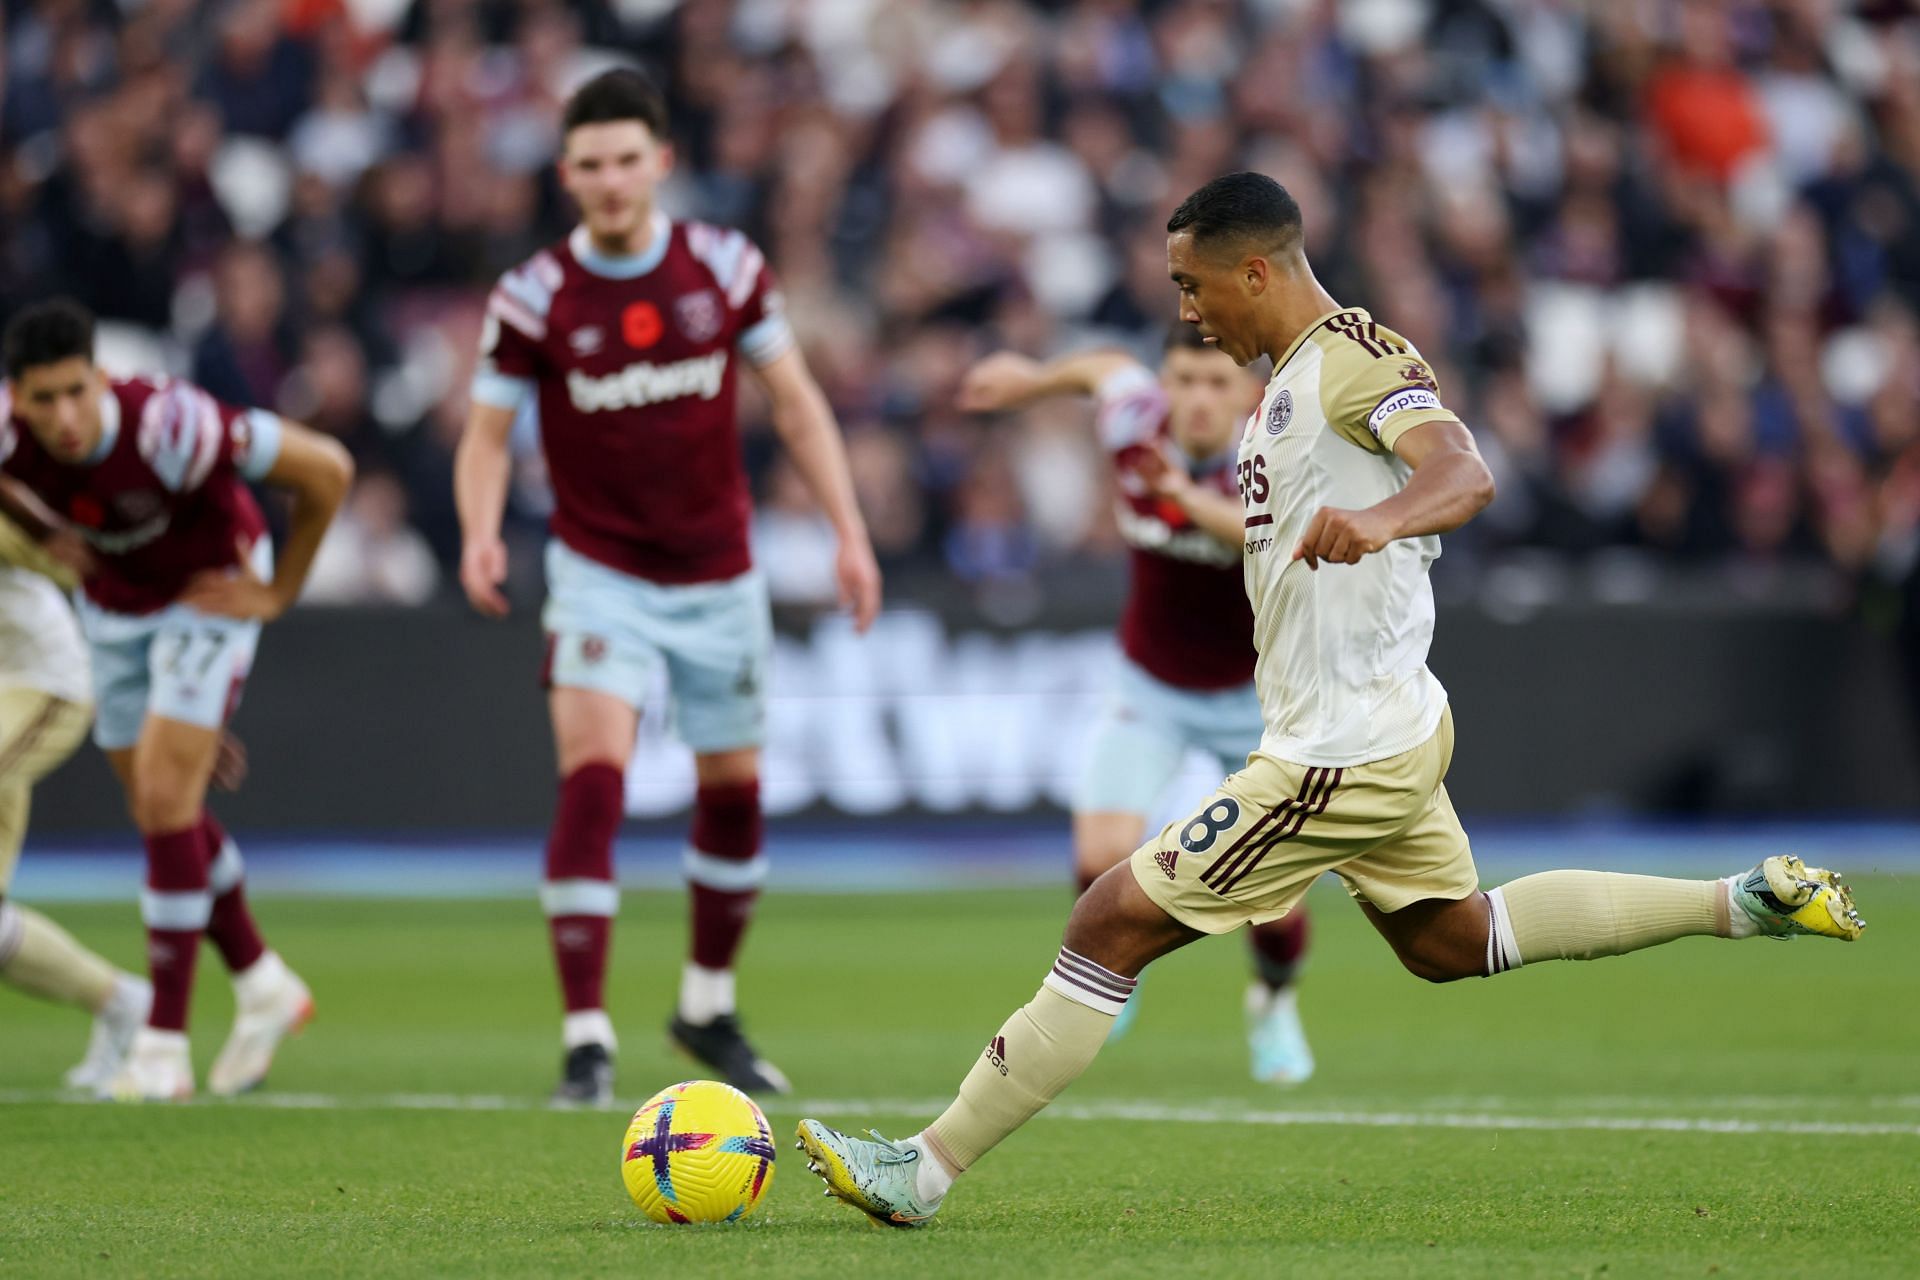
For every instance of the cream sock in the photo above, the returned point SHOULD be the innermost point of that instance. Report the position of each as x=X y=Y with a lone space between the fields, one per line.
x=39 y=957
x=1583 y=915
x=1040 y=1050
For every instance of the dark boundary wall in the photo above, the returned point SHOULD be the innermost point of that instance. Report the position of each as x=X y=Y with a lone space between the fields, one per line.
x=382 y=720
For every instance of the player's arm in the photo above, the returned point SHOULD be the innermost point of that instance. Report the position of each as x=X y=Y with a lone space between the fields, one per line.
x=1449 y=486
x=1007 y=380
x=482 y=470
x=1223 y=518
x=317 y=471
x=806 y=426
x=59 y=539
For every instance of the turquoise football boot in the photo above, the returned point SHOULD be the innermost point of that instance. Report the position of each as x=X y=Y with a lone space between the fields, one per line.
x=876 y=1177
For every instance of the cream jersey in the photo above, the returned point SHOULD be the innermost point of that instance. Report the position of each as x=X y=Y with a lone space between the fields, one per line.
x=1342 y=672
x=40 y=643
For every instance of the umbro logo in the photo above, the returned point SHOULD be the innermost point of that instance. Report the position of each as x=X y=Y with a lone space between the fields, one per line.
x=1165 y=860
x=997 y=1053
x=586 y=341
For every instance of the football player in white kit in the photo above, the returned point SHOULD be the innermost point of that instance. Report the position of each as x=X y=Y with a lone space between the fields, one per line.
x=46 y=704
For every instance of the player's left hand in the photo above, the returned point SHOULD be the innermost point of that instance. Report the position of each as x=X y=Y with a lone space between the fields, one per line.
x=234 y=592
x=1339 y=536
x=229 y=763
x=858 y=575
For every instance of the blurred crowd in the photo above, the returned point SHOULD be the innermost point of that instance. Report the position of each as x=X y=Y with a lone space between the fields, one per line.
x=1665 y=254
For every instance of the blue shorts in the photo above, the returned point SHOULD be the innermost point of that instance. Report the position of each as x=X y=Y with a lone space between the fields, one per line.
x=612 y=632
x=176 y=663
x=1145 y=731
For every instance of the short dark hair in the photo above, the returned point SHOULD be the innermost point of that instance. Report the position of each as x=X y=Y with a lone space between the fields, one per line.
x=47 y=333
x=619 y=94
x=1240 y=207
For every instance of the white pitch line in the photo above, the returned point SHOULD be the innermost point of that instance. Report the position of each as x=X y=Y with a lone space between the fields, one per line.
x=1222 y=1114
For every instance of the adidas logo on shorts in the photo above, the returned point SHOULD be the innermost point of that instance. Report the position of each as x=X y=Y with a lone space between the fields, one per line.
x=1165 y=860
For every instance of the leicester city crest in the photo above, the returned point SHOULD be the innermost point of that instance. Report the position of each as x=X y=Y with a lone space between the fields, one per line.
x=1280 y=412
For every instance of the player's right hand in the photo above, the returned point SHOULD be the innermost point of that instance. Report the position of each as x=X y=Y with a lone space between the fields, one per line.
x=1003 y=379
x=483 y=567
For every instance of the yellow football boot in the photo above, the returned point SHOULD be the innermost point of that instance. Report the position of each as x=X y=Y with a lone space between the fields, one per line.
x=1784 y=897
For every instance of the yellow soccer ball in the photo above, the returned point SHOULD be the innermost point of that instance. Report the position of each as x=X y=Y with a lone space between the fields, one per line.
x=697 y=1151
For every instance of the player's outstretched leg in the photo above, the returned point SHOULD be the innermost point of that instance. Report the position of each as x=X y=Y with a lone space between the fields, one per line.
x=725 y=867
x=1584 y=915
x=37 y=956
x=270 y=1001
x=1115 y=931
x=41 y=959
x=580 y=898
x=1276 y=1040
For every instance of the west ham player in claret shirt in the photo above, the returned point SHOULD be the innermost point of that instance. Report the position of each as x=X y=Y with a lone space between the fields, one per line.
x=152 y=473
x=628 y=337
x=1185 y=676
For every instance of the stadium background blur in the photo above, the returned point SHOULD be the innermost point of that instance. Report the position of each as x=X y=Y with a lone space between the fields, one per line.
x=1664 y=256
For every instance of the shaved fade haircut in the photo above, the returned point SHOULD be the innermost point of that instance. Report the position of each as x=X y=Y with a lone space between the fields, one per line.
x=1249 y=212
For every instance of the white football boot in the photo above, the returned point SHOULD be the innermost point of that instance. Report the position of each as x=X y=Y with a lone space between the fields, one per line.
x=113 y=1031
x=270 y=1004
x=158 y=1069
x=1276 y=1040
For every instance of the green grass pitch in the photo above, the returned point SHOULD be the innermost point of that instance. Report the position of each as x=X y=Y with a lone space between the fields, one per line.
x=1707 y=1109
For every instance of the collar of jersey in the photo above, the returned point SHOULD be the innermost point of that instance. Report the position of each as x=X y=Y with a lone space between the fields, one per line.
x=109 y=429
x=1281 y=363
x=628 y=266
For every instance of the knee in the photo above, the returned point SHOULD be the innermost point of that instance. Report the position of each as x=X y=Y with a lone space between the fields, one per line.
x=1116 y=924
x=159 y=804
x=1096 y=910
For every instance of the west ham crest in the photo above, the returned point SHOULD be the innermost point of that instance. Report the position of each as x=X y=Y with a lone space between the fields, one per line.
x=699 y=315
